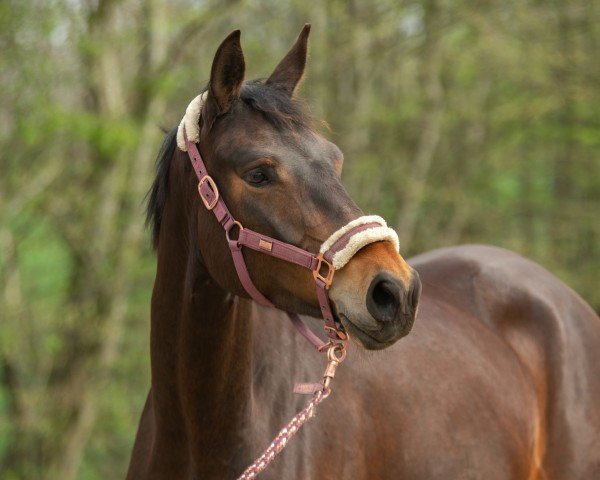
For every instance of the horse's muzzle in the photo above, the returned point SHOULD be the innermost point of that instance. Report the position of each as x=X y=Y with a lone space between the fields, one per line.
x=391 y=308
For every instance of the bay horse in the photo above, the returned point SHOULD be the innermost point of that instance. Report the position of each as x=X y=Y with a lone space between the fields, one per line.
x=499 y=378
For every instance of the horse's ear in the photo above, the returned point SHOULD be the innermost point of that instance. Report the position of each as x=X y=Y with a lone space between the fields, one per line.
x=289 y=72
x=227 y=74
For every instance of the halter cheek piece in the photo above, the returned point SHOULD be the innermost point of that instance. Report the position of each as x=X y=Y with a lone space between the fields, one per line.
x=334 y=254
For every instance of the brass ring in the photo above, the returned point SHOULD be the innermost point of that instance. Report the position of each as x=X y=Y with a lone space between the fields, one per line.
x=331 y=353
x=239 y=225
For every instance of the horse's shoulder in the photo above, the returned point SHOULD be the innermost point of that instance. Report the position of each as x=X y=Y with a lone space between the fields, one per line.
x=514 y=296
x=506 y=291
x=540 y=322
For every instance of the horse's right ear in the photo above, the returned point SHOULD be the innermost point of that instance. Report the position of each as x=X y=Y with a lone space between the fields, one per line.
x=226 y=77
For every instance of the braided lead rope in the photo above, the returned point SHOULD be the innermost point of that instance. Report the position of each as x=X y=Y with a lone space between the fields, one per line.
x=336 y=353
x=284 y=436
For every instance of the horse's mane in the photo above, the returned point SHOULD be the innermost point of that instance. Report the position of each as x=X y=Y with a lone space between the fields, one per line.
x=277 y=107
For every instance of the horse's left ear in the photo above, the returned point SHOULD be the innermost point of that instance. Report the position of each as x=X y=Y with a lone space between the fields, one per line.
x=289 y=72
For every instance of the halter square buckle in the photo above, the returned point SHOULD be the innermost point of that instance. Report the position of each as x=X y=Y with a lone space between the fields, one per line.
x=325 y=278
x=213 y=186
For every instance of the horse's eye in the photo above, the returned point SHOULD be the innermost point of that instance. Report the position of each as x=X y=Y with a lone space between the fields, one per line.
x=256 y=178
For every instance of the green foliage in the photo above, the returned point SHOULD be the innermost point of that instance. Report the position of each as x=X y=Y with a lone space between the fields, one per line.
x=460 y=122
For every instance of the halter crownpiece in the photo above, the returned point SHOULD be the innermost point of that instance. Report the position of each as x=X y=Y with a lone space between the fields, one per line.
x=191 y=122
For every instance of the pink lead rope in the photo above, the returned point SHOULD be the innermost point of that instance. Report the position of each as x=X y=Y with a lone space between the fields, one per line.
x=322 y=269
x=283 y=437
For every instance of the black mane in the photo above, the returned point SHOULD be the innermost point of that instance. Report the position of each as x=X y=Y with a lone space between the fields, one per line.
x=157 y=195
x=277 y=107
x=275 y=104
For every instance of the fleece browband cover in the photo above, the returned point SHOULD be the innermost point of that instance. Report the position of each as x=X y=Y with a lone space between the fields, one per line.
x=360 y=239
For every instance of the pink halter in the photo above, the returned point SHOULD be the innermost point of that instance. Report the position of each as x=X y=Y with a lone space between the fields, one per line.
x=335 y=252
x=321 y=264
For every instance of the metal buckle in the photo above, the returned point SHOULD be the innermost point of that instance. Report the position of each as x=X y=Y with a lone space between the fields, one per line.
x=328 y=278
x=213 y=186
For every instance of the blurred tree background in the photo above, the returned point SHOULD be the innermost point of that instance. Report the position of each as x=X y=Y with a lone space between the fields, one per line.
x=461 y=122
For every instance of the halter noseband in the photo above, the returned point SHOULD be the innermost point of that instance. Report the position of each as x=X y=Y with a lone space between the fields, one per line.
x=335 y=252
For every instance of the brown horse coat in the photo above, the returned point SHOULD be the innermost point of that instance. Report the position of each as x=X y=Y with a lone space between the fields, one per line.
x=499 y=378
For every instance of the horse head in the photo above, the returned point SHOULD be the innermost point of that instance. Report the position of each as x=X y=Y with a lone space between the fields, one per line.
x=282 y=178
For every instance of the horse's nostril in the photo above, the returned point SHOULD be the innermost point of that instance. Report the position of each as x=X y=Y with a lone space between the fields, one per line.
x=383 y=297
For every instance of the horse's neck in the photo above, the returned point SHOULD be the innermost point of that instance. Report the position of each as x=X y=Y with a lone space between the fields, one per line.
x=215 y=378
x=201 y=358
